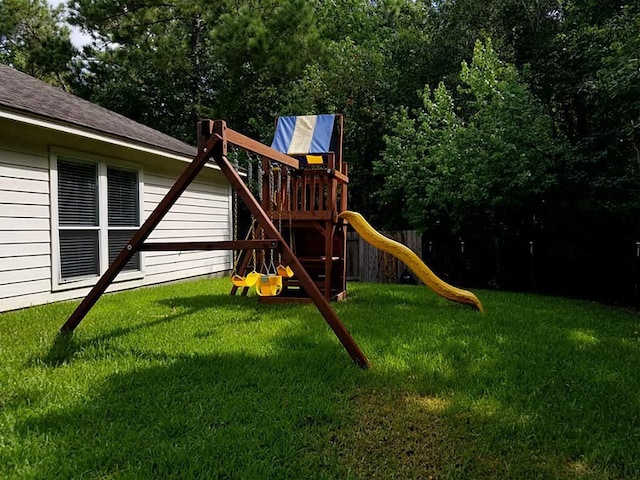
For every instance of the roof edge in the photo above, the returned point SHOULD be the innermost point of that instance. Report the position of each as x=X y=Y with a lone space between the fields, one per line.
x=45 y=122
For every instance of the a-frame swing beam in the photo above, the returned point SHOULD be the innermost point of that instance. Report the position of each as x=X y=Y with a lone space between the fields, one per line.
x=183 y=181
x=213 y=139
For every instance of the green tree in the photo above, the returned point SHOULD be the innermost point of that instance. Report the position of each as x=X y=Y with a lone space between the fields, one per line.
x=488 y=160
x=593 y=72
x=520 y=31
x=168 y=64
x=263 y=50
x=373 y=61
x=148 y=62
x=33 y=40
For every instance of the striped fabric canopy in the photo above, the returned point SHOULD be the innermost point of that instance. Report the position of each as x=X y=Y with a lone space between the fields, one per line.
x=304 y=134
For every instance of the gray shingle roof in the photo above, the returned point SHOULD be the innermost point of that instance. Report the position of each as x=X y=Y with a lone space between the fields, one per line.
x=22 y=93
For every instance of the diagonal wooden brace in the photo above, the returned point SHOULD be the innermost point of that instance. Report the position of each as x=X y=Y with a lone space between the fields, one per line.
x=134 y=245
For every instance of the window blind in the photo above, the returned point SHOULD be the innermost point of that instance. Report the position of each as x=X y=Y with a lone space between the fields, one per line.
x=122 y=202
x=77 y=193
x=79 y=226
x=117 y=241
x=79 y=253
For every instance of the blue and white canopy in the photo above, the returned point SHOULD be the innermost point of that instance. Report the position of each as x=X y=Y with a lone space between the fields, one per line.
x=303 y=135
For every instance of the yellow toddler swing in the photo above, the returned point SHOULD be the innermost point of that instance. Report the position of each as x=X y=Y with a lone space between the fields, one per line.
x=269 y=284
x=250 y=279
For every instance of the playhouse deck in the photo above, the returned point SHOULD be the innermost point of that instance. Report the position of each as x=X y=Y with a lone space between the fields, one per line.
x=310 y=221
x=308 y=215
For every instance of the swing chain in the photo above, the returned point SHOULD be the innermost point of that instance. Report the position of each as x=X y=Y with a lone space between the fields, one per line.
x=250 y=233
x=249 y=172
x=254 y=259
x=280 y=207
x=272 y=194
x=272 y=266
x=235 y=214
x=234 y=206
x=290 y=202
x=260 y=173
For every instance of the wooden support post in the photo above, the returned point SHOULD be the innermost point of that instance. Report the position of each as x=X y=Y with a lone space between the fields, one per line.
x=251 y=145
x=340 y=141
x=331 y=161
x=343 y=255
x=141 y=235
x=287 y=254
x=328 y=258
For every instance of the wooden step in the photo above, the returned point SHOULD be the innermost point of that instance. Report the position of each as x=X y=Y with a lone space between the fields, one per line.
x=316 y=259
x=288 y=282
x=298 y=297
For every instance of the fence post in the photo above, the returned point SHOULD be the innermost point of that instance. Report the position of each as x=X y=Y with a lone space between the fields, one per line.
x=532 y=264
x=461 y=274
x=636 y=269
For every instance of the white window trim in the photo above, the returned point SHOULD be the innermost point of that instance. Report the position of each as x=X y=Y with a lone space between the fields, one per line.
x=58 y=284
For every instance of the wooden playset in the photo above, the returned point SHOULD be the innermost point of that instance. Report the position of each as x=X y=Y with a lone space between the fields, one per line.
x=304 y=203
x=303 y=190
x=295 y=248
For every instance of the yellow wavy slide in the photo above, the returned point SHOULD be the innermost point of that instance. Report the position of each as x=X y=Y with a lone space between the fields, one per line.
x=410 y=259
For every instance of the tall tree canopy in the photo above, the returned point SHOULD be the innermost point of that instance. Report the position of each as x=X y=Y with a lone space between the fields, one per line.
x=594 y=73
x=169 y=64
x=544 y=120
x=33 y=40
x=149 y=61
x=475 y=161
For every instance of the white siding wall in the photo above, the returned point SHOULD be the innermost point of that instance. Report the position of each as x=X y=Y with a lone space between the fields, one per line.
x=202 y=213
x=25 y=239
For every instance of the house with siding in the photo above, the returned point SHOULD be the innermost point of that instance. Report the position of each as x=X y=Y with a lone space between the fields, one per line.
x=76 y=180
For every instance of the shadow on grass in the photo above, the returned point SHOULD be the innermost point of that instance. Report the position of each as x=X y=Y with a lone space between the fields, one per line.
x=62 y=349
x=535 y=388
x=245 y=308
x=66 y=345
x=227 y=416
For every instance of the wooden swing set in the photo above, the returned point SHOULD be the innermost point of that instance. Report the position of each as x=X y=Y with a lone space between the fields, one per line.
x=312 y=199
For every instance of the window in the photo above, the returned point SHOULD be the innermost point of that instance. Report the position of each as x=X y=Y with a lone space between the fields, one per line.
x=123 y=212
x=98 y=211
x=78 y=221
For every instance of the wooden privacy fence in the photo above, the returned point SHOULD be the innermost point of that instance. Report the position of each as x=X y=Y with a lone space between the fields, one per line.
x=366 y=263
x=543 y=263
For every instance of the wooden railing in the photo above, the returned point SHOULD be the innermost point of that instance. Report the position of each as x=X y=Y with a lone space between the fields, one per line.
x=318 y=193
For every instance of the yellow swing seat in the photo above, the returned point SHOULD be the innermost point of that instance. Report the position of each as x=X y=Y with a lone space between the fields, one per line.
x=269 y=285
x=248 y=281
x=284 y=271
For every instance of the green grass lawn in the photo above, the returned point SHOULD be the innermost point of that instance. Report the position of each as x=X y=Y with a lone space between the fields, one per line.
x=184 y=381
